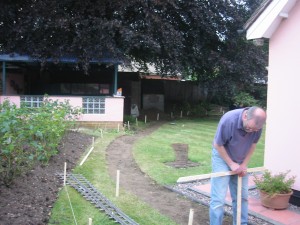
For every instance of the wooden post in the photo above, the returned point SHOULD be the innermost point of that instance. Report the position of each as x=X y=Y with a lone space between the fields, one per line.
x=157 y=117
x=118 y=128
x=136 y=121
x=145 y=118
x=180 y=114
x=90 y=221
x=86 y=156
x=65 y=173
x=93 y=141
x=239 y=201
x=101 y=133
x=191 y=216
x=118 y=183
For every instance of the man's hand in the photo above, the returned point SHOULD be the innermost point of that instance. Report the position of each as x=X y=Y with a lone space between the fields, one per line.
x=241 y=170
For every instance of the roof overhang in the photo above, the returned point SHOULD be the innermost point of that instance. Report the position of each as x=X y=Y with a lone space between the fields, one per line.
x=268 y=18
x=14 y=57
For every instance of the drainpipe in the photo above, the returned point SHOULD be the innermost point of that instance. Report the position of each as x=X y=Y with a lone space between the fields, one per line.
x=3 y=78
x=115 y=78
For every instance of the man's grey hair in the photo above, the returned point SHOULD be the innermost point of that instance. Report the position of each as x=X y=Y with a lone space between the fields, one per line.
x=251 y=114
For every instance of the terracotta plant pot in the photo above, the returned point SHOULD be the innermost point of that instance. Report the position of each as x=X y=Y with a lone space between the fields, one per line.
x=276 y=201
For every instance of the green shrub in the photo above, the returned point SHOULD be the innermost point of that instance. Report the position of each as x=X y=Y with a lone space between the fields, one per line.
x=244 y=99
x=28 y=136
x=274 y=183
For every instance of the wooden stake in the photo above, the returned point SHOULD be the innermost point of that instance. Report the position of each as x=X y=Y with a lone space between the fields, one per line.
x=118 y=127
x=93 y=141
x=136 y=122
x=157 y=118
x=101 y=132
x=87 y=155
x=90 y=221
x=118 y=183
x=239 y=201
x=219 y=174
x=145 y=118
x=65 y=173
x=191 y=217
x=180 y=114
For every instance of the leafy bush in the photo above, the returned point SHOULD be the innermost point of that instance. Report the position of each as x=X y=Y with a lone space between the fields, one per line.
x=244 y=99
x=28 y=136
x=274 y=183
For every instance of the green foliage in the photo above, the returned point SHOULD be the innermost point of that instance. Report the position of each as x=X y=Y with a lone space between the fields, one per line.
x=260 y=93
x=204 y=43
x=200 y=109
x=196 y=110
x=28 y=136
x=130 y=119
x=244 y=99
x=274 y=183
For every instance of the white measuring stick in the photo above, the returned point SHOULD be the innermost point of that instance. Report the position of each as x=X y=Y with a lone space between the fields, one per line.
x=191 y=217
x=65 y=173
x=239 y=201
x=87 y=155
x=118 y=183
x=218 y=174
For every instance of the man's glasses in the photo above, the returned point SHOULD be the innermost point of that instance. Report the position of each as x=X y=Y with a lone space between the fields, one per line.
x=249 y=125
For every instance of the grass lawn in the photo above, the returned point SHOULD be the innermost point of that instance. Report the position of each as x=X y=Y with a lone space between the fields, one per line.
x=95 y=170
x=151 y=153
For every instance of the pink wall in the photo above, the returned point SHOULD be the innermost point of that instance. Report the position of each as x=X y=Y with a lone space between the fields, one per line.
x=113 y=107
x=283 y=123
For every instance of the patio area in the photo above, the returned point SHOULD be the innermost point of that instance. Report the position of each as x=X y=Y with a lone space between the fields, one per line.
x=289 y=216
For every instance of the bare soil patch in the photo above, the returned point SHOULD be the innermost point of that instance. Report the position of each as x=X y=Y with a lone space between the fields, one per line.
x=29 y=200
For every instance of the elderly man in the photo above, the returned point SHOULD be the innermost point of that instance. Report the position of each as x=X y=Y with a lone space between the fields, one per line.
x=237 y=134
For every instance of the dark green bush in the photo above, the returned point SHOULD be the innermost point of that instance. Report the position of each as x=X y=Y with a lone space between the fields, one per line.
x=28 y=136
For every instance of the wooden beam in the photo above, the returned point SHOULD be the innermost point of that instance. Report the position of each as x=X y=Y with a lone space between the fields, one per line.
x=218 y=174
x=239 y=201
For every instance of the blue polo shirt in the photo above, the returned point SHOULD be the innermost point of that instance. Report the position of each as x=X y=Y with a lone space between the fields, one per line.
x=233 y=137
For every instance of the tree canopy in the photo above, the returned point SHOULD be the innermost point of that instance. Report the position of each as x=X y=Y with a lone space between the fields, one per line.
x=195 y=38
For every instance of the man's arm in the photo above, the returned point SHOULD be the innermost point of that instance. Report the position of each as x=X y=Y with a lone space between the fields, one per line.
x=235 y=167
x=222 y=151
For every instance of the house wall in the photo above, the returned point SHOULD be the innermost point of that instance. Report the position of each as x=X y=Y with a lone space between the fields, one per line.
x=283 y=122
x=112 y=118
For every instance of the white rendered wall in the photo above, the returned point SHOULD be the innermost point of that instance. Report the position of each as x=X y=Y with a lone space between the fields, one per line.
x=282 y=149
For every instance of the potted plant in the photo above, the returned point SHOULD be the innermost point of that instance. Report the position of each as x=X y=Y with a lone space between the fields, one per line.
x=275 y=189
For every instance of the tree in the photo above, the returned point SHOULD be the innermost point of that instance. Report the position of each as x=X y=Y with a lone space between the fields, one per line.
x=196 y=38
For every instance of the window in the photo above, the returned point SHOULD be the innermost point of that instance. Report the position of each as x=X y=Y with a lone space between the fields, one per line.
x=93 y=105
x=32 y=101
